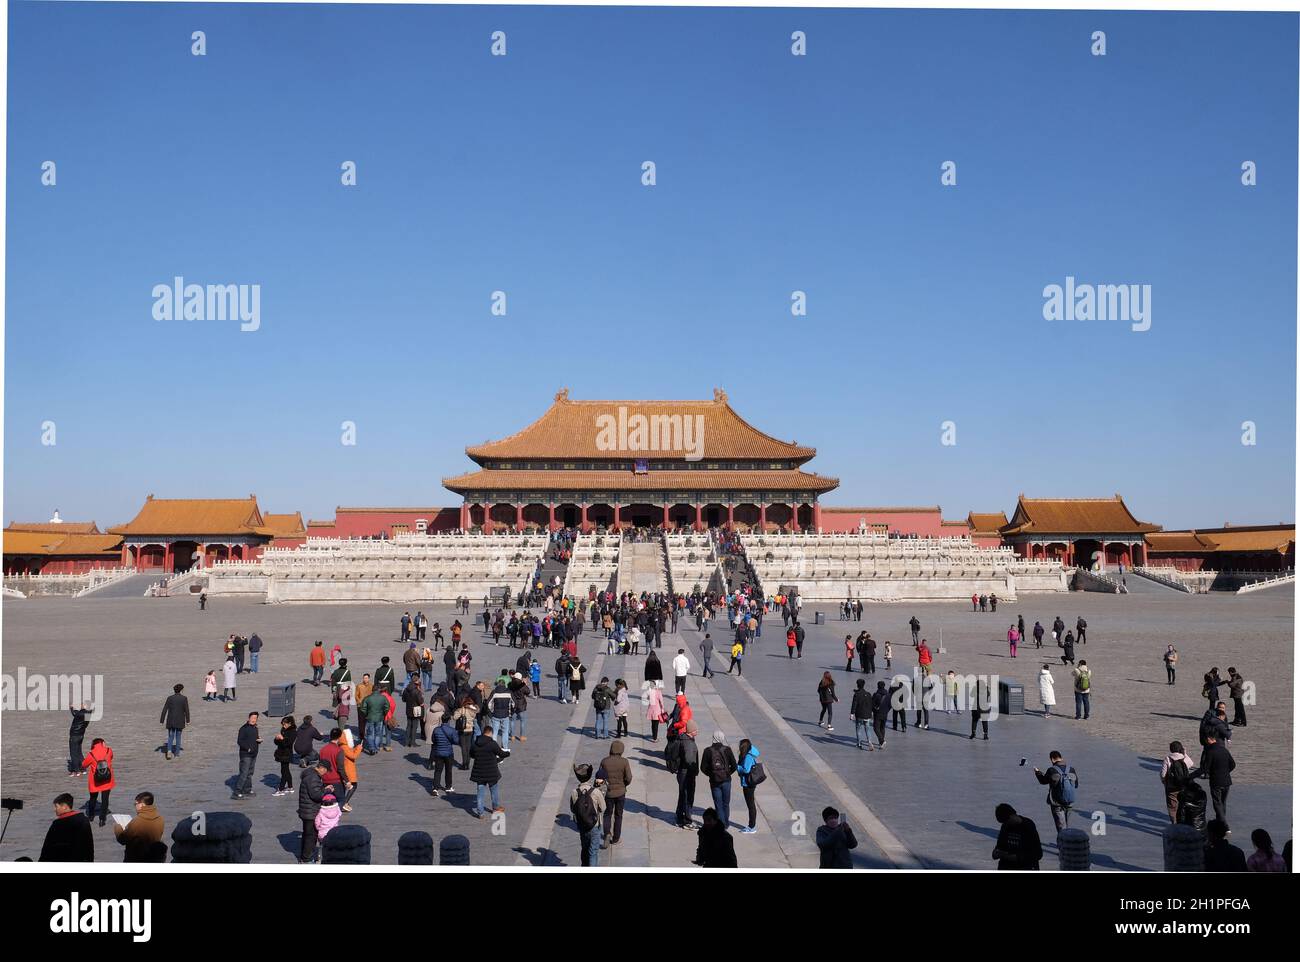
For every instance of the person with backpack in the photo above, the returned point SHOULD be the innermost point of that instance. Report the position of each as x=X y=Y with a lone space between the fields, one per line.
x=616 y=773
x=827 y=698
x=1082 y=690
x=799 y=635
x=101 y=779
x=304 y=742
x=1062 y=783
x=576 y=680
x=587 y=805
x=602 y=699
x=1174 y=776
x=500 y=707
x=719 y=764
x=752 y=774
x=1018 y=846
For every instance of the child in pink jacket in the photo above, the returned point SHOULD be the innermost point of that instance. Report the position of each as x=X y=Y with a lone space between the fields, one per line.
x=329 y=815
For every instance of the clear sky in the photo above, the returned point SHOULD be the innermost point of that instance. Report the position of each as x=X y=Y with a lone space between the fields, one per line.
x=775 y=173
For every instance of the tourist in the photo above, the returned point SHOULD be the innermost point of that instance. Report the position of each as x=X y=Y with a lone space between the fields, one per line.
x=69 y=837
x=328 y=815
x=1216 y=765
x=76 y=736
x=535 y=677
x=860 y=715
x=1058 y=630
x=835 y=840
x=100 y=781
x=142 y=835
x=1062 y=782
x=790 y=642
x=1082 y=690
x=229 y=673
x=406 y=626
x=683 y=760
x=577 y=680
x=849 y=651
x=1170 y=659
x=889 y=655
x=924 y=658
x=465 y=719
x=799 y=633
x=443 y=739
x=1018 y=846
x=518 y=689
x=880 y=703
x=240 y=645
x=500 y=707
x=1210 y=690
x=751 y=773
x=622 y=704
x=1046 y=689
x=706 y=652
x=737 y=657
x=719 y=764
x=950 y=693
x=924 y=692
x=316 y=660
x=1038 y=634
x=283 y=754
x=210 y=686
x=247 y=740
x=1236 y=691
x=304 y=742
x=655 y=714
x=411 y=662
x=1264 y=859
x=602 y=700
x=310 y=797
x=916 y=628
x=979 y=708
x=1067 y=648
x=203 y=601
x=486 y=773
x=861 y=647
x=654 y=669
x=1013 y=639
x=681 y=668
x=359 y=695
x=827 y=698
x=1020 y=627
x=975 y=602
x=587 y=805
x=1220 y=854
x=715 y=848
x=373 y=709
x=413 y=697
x=1081 y=630
x=254 y=649
x=1174 y=776
x=347 y=702
x=616 y=772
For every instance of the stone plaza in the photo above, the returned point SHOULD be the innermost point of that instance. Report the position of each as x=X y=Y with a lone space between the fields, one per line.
x=925 y=802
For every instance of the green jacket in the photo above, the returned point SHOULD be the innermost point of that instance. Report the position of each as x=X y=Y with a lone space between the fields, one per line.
x=375 y=707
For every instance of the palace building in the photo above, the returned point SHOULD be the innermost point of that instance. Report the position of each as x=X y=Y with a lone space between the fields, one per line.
x=679 y=464
x=1077 y=531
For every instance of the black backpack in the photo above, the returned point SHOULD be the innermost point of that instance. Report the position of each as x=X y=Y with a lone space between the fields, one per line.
x=719 y=772
x=600 y=698
x=584 y=811
x=1177 y=776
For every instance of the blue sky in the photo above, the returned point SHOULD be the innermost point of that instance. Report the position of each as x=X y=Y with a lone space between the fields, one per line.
x=775 y=173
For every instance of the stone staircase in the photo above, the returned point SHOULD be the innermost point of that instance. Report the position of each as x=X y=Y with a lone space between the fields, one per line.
x=642 y=567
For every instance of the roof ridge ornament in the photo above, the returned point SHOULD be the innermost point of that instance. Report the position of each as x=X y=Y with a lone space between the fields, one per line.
x=562 y=394
x=719 y=395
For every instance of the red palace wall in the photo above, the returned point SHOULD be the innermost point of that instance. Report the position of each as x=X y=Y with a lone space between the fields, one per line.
x=923 y=524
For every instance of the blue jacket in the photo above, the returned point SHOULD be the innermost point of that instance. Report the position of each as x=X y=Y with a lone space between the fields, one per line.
x=444 y=739
x=747 y=763
x=535 y=671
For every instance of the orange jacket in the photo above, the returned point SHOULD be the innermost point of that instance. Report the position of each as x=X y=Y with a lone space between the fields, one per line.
x=349 y=756
x=91 y=761
x=317 y=657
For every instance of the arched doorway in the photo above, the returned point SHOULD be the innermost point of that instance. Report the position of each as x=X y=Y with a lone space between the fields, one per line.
x=477 y=515
x=184 y=555
x=805 y=516
x=1087 y=553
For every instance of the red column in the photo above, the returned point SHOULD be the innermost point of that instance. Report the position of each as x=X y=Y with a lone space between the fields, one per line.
x=519 y=517
x=464 y=515
x=585 y=525
x=731 y=516
x=699 y=517
x=817 y=515
x=666 y=518
x=551 y=525
x=762 y=517
x=617 y=522
x=167 y=557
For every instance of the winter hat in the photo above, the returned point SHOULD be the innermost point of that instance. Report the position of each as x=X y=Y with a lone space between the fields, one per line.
x=718 y=737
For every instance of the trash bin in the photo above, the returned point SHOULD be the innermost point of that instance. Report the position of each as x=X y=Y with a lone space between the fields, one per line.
x=819 y=618
x=280 y=700
x=1011 y=698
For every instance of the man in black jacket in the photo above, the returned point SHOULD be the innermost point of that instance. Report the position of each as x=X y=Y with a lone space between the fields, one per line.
x=311 y=791
x=76 y=735
x=1217 y=764
x=880 y=711
x=715 y=848
x=1018 y=845
x=303 y=742
x=719 y=763
x=69 y=838
x=1220 y=854
x=860 y=714
x=175 y=715
x=248 y=740
x=683 y=760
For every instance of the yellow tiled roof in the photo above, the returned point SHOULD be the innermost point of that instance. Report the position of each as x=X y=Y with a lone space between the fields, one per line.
x=569 y=429
x=285 y=525
x=54 y=543
x=986 y=522
x=197 y=516
x=790 y=480
x=1252 y=538
x=51 y=527
x=1074 y=516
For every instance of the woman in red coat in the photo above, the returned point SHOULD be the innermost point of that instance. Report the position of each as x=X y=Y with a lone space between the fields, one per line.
x=100 y=762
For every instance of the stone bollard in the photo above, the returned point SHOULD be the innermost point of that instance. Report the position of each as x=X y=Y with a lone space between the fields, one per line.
x=1184 y=849
x=453 y=850
x=225 y=837
x=1074 y=850
x=346 y=845
x=415 y=848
